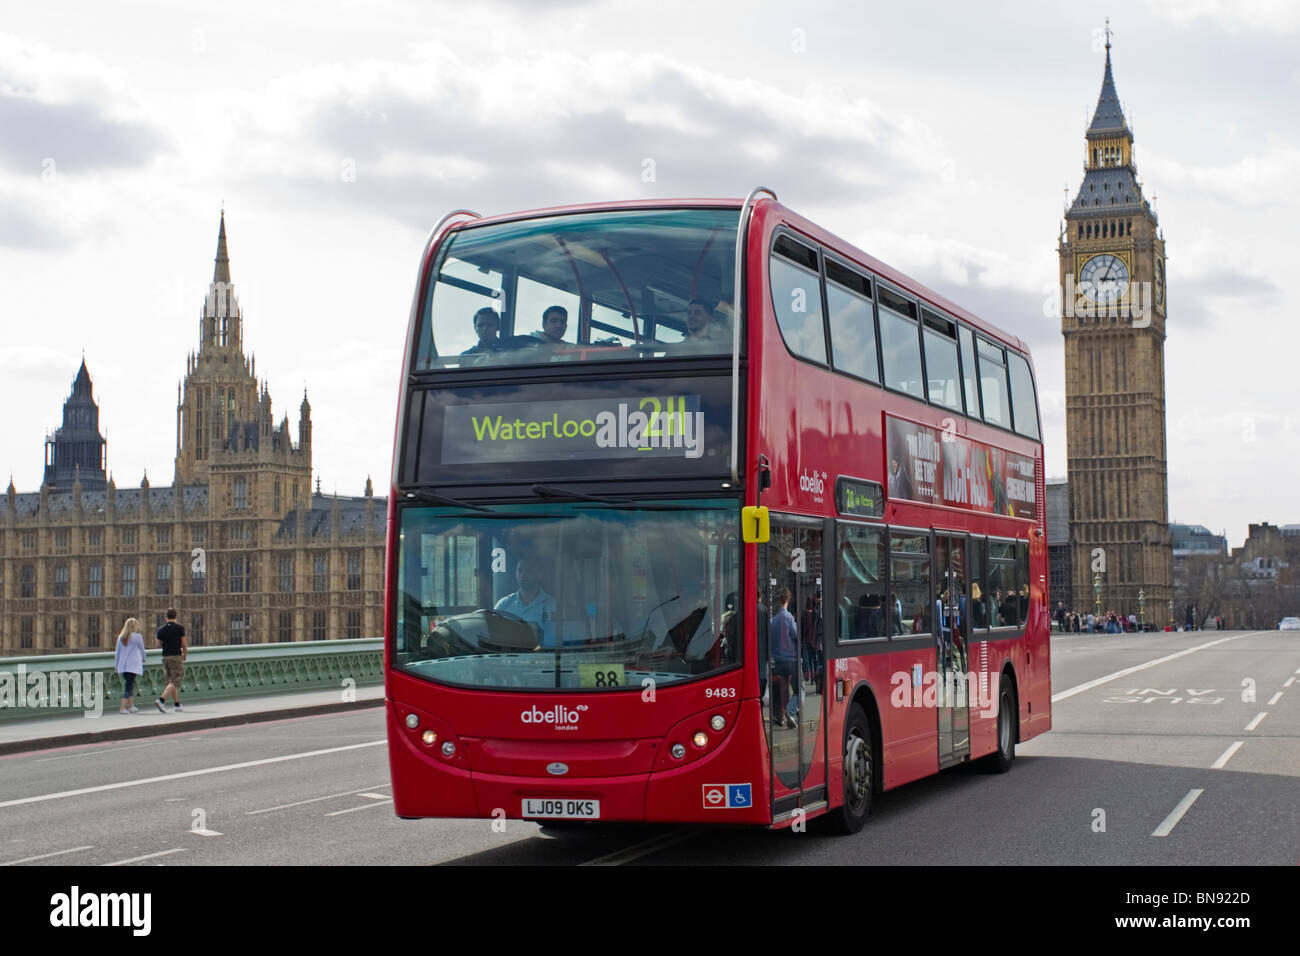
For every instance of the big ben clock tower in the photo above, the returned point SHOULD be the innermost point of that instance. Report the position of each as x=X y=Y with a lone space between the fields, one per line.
x=1113 y=318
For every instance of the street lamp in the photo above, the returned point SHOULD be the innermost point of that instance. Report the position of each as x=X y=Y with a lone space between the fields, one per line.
x=1096 y=590
x=1171 y=613
x=1142 y=610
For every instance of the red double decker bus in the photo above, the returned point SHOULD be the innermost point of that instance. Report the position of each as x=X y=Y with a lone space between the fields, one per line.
x=699 y=513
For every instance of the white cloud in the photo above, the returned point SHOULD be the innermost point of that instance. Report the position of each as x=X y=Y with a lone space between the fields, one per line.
x=1232 y=15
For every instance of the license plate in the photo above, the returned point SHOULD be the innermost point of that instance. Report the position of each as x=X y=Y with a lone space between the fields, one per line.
x=562 y=808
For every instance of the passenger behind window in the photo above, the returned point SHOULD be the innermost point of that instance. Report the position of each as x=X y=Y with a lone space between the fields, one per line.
x=981 y=610
x=705 y=330
x=486 y=325
x=555 y=321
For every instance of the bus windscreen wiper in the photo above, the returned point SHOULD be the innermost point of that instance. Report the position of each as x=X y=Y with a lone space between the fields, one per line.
x=626 y=504
x=429 y=498
x=548 y=491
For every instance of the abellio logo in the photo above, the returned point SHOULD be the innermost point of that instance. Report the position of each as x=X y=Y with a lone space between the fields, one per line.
x=816 y=482
x=561 y=717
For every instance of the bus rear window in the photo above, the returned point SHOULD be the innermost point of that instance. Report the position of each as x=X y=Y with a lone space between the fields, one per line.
x=585 y=287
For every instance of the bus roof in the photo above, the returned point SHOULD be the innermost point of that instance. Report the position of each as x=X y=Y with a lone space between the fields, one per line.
x=765 y=208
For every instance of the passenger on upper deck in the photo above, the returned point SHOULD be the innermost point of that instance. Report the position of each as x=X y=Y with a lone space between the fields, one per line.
x=702 y=325
x=555 y=320
x=486 y=324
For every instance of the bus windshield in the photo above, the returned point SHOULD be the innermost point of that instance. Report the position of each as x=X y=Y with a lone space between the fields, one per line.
x=568 y=595
x=606 y=286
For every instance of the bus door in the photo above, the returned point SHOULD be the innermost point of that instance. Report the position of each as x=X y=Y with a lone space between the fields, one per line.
x=791 y=646
x=952 y=626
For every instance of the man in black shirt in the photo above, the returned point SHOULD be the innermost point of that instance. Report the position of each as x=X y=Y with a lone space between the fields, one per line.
x=171 y=636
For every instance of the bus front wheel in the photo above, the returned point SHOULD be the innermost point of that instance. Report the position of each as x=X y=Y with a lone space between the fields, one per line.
x=859 y=774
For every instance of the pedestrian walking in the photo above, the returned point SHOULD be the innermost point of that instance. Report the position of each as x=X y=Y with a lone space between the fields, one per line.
x=128 y=660
x=175 y=645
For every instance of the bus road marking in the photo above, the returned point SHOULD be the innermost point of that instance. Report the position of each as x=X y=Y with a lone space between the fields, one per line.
x=147 y=856
x=1275 y=698
x=364 y=806
x=1255 y=723
x=45 y=856
x=1139 y=667
x=1289 y=681
x=638 y=850
x=300 y=803
x=1226 y=756
x=1171 y=821
x=144 y=781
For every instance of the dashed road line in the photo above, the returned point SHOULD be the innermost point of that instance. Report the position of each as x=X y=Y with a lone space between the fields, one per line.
x=301 y=803
x=46 y=856
x=147 y=856
x=1226 y=756
x=1255 y=723
x=1272 y=701
x=1171 y=821
x=364 y=806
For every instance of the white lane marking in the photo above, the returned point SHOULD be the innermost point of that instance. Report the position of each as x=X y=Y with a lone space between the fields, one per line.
x=147 y=856
x=639 y=850
x=1171 y=821
x=299 y=803
x=1289 y=681
x=46 y=856
x=95 y=750
x=1226 y=756
x=1275 y=698
x=364 y=806
x=375 y=796
x=188 y=773
x=205 y=833
x=1139 y=667
x=1255 y=723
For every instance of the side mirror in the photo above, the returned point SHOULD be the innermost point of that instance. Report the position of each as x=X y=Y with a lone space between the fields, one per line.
x=755 y=525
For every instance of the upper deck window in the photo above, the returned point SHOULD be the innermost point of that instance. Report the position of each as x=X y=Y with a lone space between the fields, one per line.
x=797 y=299
x=993 y=383
x=1024 y=405
x=900 y=343
x=585 y=287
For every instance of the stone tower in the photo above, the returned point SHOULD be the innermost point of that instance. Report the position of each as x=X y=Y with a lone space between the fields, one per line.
x=1112 y=259
x=76 y=450
x=226 y=436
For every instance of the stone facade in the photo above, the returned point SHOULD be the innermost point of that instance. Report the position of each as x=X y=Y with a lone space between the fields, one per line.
x=1112 y=269
x=239 y=544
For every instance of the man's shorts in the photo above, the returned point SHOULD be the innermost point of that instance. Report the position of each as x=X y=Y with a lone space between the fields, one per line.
x=174 y=670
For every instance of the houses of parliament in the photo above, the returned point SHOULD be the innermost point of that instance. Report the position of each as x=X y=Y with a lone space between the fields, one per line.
x=239 y=542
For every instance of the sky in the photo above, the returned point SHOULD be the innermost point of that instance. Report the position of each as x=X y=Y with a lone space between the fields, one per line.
x=942 y=138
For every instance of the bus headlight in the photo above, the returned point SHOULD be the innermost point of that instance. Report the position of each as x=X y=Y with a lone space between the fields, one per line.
x=701 y=739
x=718 y=723
x=412 y=721
x=448 y=748
x=429 y=737
x=678 y=751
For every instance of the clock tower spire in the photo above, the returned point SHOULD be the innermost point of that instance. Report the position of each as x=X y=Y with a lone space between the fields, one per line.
x=1112 y=269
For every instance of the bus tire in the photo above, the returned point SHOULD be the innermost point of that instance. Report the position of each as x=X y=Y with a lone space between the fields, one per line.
x=1000 y=760
x=859 y=774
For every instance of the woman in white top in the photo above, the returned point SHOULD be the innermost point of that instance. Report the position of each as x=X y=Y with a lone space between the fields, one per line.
x=129 y=662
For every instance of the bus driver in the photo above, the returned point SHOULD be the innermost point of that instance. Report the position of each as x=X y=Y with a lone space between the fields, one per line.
x=529 y=603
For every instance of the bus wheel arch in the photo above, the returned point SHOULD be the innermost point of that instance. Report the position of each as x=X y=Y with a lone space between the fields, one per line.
x=861 y=769
x=1008 y=728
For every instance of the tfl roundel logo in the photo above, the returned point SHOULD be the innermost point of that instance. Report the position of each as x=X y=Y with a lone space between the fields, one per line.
x=727 y=796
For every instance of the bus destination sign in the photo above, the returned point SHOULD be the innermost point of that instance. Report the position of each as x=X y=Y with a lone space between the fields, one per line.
x=862 y=499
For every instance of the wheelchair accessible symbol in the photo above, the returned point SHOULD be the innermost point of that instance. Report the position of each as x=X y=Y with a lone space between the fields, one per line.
x=727 y=796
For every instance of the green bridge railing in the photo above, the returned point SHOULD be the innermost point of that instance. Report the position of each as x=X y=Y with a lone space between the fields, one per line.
x=50 y=685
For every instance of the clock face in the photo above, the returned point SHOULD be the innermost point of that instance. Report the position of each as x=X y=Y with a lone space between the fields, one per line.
x=1106 y=277
x=1160 y=283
